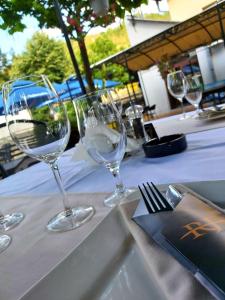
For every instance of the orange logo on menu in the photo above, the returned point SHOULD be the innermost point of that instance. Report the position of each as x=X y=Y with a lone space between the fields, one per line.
x=214 y=223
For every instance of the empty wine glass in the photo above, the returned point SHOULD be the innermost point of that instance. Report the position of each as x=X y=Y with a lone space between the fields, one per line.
x=103 y=134
x=5 y=241
x=194 y=93
x=10 y=221
x=39 y=125
x=177 y=88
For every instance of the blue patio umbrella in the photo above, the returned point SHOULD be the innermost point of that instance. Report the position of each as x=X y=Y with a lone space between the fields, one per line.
x=99 y=83
x=22 y=82
x=71 y=87
x=38 y=96
x=22 y=88
x=67 y=95
x=15 y=84
x=190 y=69
x=33 y=95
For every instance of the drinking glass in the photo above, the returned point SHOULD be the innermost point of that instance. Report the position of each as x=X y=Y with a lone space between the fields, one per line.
x=39 y=125
x=177 y=88
x=10 y=221
x=194 y=93
x=103 y=134
x=5 y=241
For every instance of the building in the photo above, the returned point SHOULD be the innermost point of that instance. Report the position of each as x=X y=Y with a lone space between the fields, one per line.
x=149 y=28
x=181 y=10
x=209 y=57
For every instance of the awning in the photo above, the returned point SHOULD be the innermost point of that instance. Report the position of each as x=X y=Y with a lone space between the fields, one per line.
x=200 y=30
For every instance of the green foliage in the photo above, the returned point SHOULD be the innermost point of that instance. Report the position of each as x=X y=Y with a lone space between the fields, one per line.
x=79 y=13
x=71 y=114
x=80 y=18
x=165 y=16
x=165 y=66
x=100 y=46
x=103 y=47
x=41 y=114
x=43 y=55
x=4 y=67
x=112 y=72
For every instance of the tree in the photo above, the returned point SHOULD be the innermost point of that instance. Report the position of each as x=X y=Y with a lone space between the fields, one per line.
x=79 y=14
x=101 y=48
x=4 y=67
x=43 y=55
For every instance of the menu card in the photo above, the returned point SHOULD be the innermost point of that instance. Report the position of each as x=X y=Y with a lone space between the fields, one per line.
x=194 y=233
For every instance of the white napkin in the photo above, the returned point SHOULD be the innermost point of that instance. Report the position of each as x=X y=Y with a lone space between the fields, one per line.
x=102 y=131
x=80 y=153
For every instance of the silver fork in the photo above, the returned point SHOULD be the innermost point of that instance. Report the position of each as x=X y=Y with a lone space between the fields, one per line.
x=154 y=200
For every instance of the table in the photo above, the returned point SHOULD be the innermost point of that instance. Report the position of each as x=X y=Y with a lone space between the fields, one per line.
x=201 y=161
x=173 y=124
x=35 y=192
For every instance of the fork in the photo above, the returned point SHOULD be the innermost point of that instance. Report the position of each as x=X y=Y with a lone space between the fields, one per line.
x=154 y=200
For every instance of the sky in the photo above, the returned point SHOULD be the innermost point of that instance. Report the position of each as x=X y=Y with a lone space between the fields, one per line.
x=17 y=41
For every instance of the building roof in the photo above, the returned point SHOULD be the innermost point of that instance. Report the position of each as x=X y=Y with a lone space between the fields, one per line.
x=144 y=20
x=197 y=31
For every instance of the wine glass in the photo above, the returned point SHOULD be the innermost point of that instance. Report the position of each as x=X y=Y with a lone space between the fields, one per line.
x=194 y=93
x=177 y=88
x=5 y=241
x=103 y=134
x=10 y=221
x=40 y=128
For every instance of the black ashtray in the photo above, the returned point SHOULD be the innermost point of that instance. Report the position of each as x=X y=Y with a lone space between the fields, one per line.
x=166 y=145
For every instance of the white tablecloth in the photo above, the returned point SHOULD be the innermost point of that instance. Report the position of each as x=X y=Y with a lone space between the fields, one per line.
x=173 y=124
x=203 y=160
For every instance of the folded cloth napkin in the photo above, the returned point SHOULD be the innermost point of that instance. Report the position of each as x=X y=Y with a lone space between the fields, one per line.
x=80 y=152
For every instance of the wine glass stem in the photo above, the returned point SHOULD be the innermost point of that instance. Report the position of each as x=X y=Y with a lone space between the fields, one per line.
x=182 y=107
x=2 y=218
x=115 y=171
x=58 y=179
x=198 y=109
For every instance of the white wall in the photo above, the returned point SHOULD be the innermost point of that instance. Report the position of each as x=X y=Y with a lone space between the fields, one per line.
x=205 y=64
x=218 y=61
x=212 y=62
x=153 y=86
x=154 y=89
x=144 y=29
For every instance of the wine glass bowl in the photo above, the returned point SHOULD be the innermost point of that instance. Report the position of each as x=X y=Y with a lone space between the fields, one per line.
x=177 y=88
x=5 y=241
x=38 y=123
x=103 y=134
x=194 y=93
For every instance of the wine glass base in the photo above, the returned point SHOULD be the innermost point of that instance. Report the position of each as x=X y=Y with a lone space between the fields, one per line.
x=184 y=117
x=195 y=115
x=11 y=220
x=79 y=215
x=119 y=198
x=5 y=241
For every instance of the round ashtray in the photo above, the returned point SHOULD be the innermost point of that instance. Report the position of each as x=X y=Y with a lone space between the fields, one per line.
x=166 y=145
